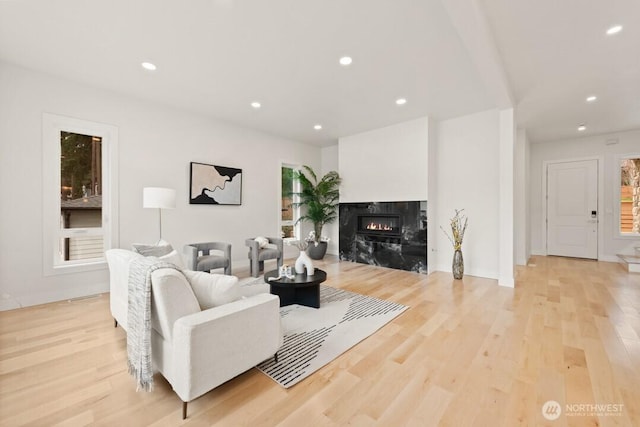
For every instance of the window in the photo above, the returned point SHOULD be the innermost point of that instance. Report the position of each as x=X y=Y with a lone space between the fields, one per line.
x=288 y=213
x=629 y=196
x=79 y=187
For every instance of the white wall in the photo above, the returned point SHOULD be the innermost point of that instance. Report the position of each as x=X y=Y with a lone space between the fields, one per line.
x=521 y=216
x=467 y=177
x=506 y=200
x=385 y=165
x=609 y=244
x=329 y=156
x=156 y=146
x=432 y=202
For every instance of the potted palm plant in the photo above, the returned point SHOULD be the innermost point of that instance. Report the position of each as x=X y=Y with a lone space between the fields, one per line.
x=320 y=198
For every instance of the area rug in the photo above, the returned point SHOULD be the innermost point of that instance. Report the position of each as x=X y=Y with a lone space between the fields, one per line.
x=314 y=337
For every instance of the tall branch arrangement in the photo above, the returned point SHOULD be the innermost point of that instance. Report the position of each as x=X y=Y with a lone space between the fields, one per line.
x=458 y=227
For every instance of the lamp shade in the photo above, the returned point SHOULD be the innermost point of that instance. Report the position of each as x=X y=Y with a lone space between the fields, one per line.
x=157 y=197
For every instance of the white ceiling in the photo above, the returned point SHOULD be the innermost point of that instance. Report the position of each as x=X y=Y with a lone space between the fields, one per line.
x=215 y=57
x=556 y=53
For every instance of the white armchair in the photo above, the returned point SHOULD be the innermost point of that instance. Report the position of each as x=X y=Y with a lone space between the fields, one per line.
x=197 y=350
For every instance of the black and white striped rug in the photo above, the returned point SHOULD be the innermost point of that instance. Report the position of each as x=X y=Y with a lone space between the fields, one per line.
x=314 y=337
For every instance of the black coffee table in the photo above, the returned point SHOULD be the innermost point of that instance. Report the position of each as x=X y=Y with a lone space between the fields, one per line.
x=302 y=289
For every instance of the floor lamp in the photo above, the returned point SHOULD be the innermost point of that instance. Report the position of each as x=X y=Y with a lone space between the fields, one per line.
x=160 y=198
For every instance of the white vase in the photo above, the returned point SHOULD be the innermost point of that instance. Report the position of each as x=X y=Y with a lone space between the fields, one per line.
x=304 y=262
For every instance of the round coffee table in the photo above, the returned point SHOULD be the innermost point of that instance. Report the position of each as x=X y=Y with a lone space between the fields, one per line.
x=301 y=289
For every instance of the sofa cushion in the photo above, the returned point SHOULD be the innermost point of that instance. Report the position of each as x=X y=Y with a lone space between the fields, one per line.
x=213 y=290
x=174 y=258
x=251 y=286
x=171 y=299
x=268 y=253
x=162 y=248
x=211 y=262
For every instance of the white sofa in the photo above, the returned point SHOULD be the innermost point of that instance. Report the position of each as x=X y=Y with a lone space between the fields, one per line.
x=198 y=349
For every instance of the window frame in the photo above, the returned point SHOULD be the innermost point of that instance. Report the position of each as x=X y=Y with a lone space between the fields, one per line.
x=52 y=126
x=296 y=209
x=617 y=213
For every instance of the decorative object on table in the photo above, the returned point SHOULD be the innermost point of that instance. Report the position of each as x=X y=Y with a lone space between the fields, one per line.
x=320 y=198
x=458 y=227
x=343 y=320
x=215 y=185
x=284 y=271
x=303 y=262
x=160 y=198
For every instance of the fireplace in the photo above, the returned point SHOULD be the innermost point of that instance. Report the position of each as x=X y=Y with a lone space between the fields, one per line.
x=388 y=234
x=379 y=224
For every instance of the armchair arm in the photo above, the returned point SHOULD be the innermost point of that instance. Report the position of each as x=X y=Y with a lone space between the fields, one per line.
x=215 y=345
x=226 y=248
x=190 y=256
x=278 y=242
x=252 y=244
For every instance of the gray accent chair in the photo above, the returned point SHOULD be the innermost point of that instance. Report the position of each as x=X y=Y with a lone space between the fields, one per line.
x=257 y=255
x=208 y=256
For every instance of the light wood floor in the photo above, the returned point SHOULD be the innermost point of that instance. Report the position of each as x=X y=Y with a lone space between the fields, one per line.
x=466 y=353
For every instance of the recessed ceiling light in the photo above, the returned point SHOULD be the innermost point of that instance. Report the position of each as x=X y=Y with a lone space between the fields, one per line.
x=149 y=66
x=591 y=98
x=582 y=128
x=401 y=101
x=256 y=105
x=317 y=127
x=614 y=30
x=346 y=60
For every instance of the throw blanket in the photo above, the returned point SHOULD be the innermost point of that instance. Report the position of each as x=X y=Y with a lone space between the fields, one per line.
x=139 y=320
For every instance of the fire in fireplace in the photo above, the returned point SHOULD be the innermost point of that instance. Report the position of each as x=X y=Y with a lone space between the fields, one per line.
x=378 y=226
x=387 y=224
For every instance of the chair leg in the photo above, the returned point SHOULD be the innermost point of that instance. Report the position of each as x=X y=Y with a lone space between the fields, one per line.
x=184 y=410
x=115 y=323
x=253 y=267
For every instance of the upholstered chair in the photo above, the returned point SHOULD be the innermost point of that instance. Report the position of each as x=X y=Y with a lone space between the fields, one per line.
x=261 y=249
x=205 y=329
x=208 y=256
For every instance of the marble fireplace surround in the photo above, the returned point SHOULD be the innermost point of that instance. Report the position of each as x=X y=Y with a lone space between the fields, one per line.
x=400 y=241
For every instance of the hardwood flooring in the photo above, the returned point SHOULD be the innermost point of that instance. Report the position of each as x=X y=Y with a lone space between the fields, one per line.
x=466 y=353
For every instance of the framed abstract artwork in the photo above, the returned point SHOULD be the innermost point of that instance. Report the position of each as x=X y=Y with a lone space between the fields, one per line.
x=215 y=185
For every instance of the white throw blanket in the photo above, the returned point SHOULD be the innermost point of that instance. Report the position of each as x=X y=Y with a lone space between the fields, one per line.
x=139 y=320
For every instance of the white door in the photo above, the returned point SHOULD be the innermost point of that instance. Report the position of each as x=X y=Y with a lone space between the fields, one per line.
x=572 y=209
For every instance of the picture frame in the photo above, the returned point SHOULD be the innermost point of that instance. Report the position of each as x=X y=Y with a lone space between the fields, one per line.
x=214 y=185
